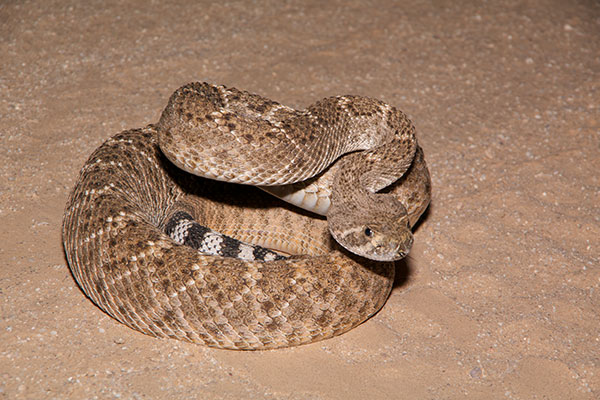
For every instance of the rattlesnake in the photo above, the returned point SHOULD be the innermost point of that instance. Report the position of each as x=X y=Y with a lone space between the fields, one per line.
x=132 y=212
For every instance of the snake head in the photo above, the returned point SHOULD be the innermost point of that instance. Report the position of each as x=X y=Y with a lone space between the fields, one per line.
x=378 y=230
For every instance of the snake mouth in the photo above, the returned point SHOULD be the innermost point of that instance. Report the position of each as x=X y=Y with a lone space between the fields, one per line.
x=390 y=253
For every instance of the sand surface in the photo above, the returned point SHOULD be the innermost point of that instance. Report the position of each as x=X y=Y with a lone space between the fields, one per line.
x=500 y=296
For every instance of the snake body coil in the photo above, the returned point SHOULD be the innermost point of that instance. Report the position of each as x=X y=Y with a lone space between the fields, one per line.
x=128 y=218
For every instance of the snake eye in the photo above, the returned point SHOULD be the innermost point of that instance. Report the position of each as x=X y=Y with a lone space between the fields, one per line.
x=368 y=232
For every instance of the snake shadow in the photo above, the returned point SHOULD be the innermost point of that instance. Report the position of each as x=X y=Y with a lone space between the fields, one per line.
x=404 y=270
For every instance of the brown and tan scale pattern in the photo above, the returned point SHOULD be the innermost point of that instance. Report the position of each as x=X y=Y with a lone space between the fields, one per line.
x=114 y=238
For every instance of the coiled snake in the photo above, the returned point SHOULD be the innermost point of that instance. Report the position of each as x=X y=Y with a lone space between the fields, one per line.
x=176 y=255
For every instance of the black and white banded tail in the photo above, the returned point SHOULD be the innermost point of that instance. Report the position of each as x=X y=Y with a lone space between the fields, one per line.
x=184 y=230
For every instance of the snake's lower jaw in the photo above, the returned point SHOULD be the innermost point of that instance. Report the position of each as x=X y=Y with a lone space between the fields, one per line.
x=397 y=255
x=389 y=255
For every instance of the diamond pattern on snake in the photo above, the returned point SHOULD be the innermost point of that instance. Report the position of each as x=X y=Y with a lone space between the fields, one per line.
x=239 y=223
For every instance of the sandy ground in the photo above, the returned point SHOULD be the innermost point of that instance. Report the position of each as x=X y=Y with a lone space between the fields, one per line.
x=500 y=296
